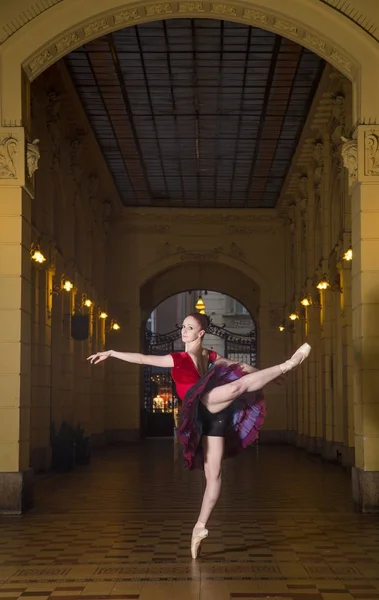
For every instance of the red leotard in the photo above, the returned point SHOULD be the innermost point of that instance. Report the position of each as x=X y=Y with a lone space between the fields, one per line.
x=184 y=372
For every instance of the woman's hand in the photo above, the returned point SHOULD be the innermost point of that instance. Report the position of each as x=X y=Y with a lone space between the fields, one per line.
x=99 y=357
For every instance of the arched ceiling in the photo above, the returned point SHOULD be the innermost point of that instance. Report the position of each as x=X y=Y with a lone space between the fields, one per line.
x=196 y=112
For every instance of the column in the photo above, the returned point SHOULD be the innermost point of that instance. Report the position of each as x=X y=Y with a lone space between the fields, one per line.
x=16 y=482
x=361 y=157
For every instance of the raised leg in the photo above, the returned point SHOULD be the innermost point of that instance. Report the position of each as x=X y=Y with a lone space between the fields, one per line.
x=221 y=397
x=213 y=449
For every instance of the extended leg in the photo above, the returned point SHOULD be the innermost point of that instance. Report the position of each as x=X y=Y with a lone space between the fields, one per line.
x=223 y=396
x=213 y=448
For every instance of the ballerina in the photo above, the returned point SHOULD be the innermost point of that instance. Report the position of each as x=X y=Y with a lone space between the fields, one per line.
x=223 y=406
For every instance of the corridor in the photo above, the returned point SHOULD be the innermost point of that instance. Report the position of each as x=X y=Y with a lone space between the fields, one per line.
x=284 y=528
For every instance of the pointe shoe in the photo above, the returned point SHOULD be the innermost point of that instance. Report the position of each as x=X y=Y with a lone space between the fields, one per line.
x=198 y=535
x=296 y=359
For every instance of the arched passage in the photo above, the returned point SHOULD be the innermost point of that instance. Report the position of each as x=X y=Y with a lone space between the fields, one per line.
x=57 y=30
x=190 y=276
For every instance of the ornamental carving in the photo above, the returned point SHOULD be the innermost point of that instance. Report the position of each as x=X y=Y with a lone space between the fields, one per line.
x=191 y=7
x=303 y=187
x=32 y=157
x=371 y=154
x=255 y=15
x=164 y=8
x=338 y=119
x=67 y=41
x=40 y=61
x=126 y=16
x=95 y=27
x=8 y=157
x=315 y=42
x=285 y=26
x=224 y=9
x=349 y=152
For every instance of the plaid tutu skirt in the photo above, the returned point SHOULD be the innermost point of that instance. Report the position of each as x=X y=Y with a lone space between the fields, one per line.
x=246 y=416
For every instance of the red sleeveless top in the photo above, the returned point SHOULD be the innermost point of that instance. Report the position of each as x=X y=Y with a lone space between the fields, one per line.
x=184 y=372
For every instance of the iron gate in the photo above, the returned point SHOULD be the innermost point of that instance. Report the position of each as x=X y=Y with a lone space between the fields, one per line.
x=160 y=402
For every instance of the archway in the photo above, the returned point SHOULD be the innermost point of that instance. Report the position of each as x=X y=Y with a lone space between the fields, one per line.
x=231 y=333
x=42 y=40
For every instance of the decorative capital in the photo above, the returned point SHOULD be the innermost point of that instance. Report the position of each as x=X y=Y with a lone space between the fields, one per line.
x=32 y=157
x=349 y=153
x=12 y=156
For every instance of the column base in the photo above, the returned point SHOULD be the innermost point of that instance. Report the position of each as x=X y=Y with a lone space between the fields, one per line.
x=16 y=492
x=365 y=490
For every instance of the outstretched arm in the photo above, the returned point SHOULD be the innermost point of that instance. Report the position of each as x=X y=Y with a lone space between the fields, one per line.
x=134 y=357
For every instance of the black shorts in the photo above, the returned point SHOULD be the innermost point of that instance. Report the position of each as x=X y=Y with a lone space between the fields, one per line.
x=214 y=424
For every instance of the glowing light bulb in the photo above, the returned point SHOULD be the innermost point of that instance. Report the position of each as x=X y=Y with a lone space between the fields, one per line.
x=348 y=255
x=68 y=285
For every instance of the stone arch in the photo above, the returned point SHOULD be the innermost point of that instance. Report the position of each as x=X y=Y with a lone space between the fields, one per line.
x=63 y=27
x=214 y=276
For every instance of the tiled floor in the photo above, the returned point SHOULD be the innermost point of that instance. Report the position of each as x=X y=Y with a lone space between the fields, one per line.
x=121 y=528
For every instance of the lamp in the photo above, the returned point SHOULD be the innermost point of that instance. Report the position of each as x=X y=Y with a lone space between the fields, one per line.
x=115 y=326
x=86 y=301
x=36 y=254
x=200 y=306
x=348 y=254
x=293 y=316
x=323 y=284
x=103 y=315
x=67 y=285
x=281 y=327
x=306 y=301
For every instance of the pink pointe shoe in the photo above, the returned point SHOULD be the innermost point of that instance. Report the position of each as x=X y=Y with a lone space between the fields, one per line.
x=296 y=359
x=198 y=535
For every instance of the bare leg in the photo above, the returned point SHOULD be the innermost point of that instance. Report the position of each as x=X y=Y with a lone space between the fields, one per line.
x=213 y=448
x=221 y=397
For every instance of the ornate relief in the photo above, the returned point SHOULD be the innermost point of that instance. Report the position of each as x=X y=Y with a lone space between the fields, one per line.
x=199 y=256
x=195 y=7
x=349 y=152
x=318 y=155
x=67 y=41
x=371 y=154
x=163 y=8
x=285 y=26
x=8 y=157
x=192 y=7
x=303 y=187
x=39 y=62
x=32 y=157
x=341 y=60
x=338 y=119
x=314 y=41
x=95 y=27
x=223 y=9
x=255 y=15
x=126 y=16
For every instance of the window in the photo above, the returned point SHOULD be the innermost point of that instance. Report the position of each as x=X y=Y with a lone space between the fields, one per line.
x=233 y=307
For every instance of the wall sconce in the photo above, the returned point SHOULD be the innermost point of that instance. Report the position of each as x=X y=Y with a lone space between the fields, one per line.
x=86 y=301
x=36 y=254
x=348 y=255
x=67 y=285
x=293 y=316
x=281 y=327
x=114 y=326
x=323 y=284
x=103 y=315
x=306 y=301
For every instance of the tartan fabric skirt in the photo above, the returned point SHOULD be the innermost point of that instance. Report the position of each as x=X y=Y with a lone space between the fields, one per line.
x=244 y=417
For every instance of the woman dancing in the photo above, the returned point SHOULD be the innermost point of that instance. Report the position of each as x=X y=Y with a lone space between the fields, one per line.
x=223 y=407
